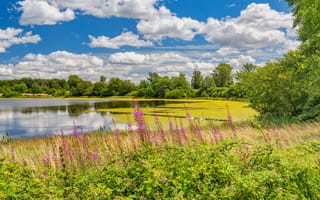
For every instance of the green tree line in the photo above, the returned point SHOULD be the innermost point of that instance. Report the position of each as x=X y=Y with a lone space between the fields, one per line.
x=218 y=84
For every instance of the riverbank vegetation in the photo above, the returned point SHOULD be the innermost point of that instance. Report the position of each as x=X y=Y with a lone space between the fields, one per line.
x=183 y=161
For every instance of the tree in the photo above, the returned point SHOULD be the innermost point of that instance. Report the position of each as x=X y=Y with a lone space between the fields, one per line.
x=35 y=88
x=207 y=83
x=103 y=78
x=160 y=86
x=222 y=75
x=99 y=88
x=307 y=20
x=196 y=79
x=277 y=89
x=73 y=81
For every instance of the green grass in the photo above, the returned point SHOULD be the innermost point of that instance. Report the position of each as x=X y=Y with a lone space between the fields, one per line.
x=182 y=162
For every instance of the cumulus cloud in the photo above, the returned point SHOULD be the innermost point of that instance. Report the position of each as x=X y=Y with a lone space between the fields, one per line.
x=59 y=64
x=236 y=63
x=133 y=58
x=127 y=65
x=13 y=36
x=39 y=12
x=136 y=9
x=257 y=26
x=50 y=12
x=125 y=39
x=165 y=24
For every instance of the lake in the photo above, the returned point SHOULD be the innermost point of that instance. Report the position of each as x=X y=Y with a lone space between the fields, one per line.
x=27 y=118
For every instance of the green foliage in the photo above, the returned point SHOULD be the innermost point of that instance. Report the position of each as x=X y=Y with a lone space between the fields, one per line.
x=196 y=79
x=176 y=94
x=222 y=75
x=231 y=169
x=307 y=19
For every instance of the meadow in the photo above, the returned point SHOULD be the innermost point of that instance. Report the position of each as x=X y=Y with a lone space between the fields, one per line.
x=166 y=160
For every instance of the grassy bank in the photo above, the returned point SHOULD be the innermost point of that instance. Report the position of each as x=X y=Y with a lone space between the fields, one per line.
x=183 y=161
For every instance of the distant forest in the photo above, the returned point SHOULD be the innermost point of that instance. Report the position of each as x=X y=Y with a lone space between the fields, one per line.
x=218 y=84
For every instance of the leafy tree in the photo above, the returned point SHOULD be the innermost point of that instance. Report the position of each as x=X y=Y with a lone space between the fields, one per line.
x=307 y=20
x=176 y=94
x=103 y=78
x=160 y=86
x=35 y=88
x=222 y=75
x=196 y=79
x=84 y=88
x=180 y=82
x=20 y=87
x=73 y=81
x=99 y=88
x=207 y=83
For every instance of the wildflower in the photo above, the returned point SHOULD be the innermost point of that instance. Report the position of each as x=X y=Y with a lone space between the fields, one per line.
x=188 y=116
x=75 y=130
x=199 y=134
x=129 y=126
x=46 y=161
x=154 y=139
x=95 y=156
x=171 y=128
x=84 y=140
x=156 y=119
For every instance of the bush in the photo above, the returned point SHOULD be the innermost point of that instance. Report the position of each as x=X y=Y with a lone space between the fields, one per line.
x=227 y=170
x=175 y=94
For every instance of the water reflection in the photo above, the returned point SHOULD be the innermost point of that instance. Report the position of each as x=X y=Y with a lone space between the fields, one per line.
x=40 y=117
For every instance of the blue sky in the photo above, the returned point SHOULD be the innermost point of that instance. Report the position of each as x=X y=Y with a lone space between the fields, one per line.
x=129 y=38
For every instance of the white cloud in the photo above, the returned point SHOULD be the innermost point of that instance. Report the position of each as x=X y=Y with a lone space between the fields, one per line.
x=227 y=51
x=50 y=12
x=236 y=63
x=136 y=9
x=125 y=39
x=40 y=12
x=263 y=17
x=153 y=59
x=13 y=36
x=258 y=26
x=165 y=24
x=59 y=64
x=131 y=58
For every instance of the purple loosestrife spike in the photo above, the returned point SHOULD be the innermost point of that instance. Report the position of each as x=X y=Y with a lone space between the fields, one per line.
x=84 y=140
x=46 y=161
x=95 y=156
x=199 y=134
x=75 y=130
x=116 y=133
x=179 y=136
x=155 y=140
x=171 y=128
x=162 y=134
x=230 y=121
x=156 y=119
x=188 y=116
x=129 y=127
x=184 y=133
x=215 y=135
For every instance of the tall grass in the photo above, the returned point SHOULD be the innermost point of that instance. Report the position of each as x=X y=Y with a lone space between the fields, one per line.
x=82 y=150
x=142 y=161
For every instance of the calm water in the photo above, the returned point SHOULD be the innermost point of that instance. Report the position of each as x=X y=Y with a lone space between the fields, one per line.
x=40 y=117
